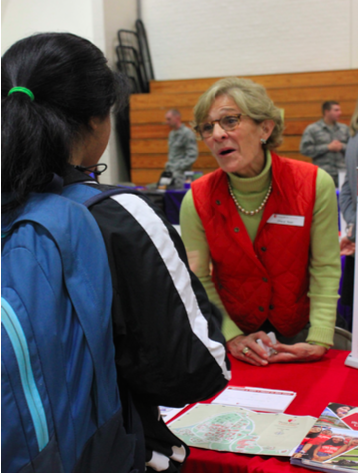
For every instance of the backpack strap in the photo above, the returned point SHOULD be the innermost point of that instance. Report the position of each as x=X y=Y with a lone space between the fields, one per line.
x=103 y=195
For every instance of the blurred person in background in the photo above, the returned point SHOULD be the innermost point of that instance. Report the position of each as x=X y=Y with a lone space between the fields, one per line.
x=325 y=141
x=348 y=206
x=183 y=149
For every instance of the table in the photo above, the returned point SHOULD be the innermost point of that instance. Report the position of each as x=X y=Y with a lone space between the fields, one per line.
x=316 y=384
x=172 y=204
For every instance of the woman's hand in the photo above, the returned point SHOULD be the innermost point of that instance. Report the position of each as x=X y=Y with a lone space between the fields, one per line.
x=296 y=353
x=245 y=348
x=347 y=247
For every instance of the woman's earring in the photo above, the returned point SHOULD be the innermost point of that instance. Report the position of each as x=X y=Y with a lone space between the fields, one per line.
x=263 y=141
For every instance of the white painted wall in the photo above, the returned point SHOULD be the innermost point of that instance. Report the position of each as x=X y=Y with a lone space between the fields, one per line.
x=21 y=18
x=211 y=38
x=118 y=14
x=96 y=20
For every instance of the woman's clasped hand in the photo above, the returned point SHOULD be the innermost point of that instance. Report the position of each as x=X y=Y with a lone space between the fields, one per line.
x=245 y=348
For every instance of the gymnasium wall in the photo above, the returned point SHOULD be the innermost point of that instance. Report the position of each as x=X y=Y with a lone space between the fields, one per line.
x=212 y=38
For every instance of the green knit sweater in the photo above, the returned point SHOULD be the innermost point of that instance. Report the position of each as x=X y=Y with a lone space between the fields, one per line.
x=324 y=264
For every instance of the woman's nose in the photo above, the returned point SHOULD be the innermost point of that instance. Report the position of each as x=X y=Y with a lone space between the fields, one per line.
x=218 y=132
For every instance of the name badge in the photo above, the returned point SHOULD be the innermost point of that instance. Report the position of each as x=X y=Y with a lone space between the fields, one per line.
x=287 y=219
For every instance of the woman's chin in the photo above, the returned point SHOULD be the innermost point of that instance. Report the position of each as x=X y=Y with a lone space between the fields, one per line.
x=226 y=165
x=229 y=168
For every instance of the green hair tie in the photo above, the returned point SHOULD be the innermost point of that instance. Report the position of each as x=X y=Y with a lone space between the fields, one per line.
x=22 y=89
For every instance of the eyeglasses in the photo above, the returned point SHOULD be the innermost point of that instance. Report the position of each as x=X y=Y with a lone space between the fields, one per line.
x=229 y=122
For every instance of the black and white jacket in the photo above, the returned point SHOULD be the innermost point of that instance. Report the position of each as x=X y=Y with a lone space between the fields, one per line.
x=169 y=347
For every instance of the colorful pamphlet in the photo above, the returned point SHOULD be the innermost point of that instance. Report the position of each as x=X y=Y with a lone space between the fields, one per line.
x=235 y=429
x=331 y=445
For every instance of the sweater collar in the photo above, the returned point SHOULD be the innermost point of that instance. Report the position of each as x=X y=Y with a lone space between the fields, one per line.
x=254 y=184
x=261 y=182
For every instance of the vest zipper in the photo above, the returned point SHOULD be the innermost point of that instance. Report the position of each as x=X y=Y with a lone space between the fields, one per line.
x=17 y=338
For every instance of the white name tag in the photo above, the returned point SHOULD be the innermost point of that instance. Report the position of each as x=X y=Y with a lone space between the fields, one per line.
x=287 y=219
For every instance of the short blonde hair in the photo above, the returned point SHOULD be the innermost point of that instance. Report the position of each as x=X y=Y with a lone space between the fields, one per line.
x=252 y=100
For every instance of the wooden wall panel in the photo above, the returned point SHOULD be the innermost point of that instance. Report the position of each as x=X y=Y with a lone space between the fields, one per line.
x=159 y=146
x=161 y=131
x=143 y=160
x=296 y=110
x=300 y=95
x=165 y=101
x=144 y=176
x=204 y=160
x=279 y=81
x=284 y=96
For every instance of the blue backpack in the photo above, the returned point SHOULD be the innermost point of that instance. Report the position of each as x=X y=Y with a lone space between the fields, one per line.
x=61 y=410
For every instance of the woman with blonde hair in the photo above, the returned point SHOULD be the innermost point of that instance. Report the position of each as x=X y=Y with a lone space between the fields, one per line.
x=268 y=227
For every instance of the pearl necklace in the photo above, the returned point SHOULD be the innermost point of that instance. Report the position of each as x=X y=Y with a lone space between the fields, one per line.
x=243 y=210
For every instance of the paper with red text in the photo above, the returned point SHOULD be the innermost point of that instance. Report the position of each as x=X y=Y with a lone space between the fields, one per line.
x=256 y=399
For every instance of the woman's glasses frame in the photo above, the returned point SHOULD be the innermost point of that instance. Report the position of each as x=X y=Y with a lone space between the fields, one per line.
x=227 y=123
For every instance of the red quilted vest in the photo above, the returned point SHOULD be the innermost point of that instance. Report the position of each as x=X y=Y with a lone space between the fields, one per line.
x=268 y=279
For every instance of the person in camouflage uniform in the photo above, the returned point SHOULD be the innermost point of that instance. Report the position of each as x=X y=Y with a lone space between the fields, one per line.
x=325 y=141
x=183 y=150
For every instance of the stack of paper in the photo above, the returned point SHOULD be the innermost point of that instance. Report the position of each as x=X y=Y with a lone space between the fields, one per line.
x=256 y=399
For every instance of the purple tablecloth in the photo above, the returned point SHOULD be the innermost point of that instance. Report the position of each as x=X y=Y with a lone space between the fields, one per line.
x=172 y=203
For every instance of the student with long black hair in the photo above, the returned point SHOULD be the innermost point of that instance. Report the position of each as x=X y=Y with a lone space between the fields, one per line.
x=57 y=92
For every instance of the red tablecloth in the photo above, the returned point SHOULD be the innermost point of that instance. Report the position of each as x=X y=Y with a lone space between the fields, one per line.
x=316 y=384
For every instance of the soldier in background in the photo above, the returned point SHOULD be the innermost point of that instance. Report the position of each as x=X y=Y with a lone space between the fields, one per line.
x=325 y=141
x=183 y=150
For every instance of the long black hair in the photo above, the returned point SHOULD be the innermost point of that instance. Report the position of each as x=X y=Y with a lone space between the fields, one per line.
x=335 y=444
x=71 y=82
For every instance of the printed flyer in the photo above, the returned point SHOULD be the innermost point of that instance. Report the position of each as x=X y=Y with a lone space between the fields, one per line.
x=235 y=429
x=331 y=445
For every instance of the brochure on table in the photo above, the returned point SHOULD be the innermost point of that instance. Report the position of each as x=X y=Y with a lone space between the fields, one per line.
x=235 y=429
x=332 y=443
x=255 y=399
